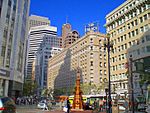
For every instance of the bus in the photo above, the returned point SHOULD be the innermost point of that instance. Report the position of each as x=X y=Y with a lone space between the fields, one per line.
x=89 y=100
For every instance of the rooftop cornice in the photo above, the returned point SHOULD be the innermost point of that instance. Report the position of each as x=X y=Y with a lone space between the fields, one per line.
x=125 y=13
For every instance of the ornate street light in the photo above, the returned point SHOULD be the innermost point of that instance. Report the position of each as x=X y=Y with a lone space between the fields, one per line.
x=109 y=45
x=106 y=91
x=131 y=80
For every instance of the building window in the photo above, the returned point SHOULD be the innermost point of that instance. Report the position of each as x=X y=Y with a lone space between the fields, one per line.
x=91 y=63
x=143 y=40
x=136 y=31
x=129 y=44
x=122 y=56
x=145 y=17
x=119 y=57
x=125 y=46
x=101 y=64
x=146 y=27
x=113 y=59
x=133 y=33
x=104 y=57
x=141 y=29
x=136 y=23
x=143 y=49
x=138 y=51
x=141 y=19
x=101 y=72
x=105 y=72
x=129 y=34
x=132 y=24
x=147 y=37
x=148 y=48
x=91 y=47
x=104 y=64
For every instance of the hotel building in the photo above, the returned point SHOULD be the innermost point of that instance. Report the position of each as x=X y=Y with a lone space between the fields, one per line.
x=85 y=54
x=13 y=35
x=126 y=25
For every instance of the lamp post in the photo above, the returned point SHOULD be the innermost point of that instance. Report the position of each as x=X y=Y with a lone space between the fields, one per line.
x=108 y=44
x=106 y=91
x=132 y=88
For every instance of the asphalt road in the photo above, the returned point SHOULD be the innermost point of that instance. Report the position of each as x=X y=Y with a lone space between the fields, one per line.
x=33 y=109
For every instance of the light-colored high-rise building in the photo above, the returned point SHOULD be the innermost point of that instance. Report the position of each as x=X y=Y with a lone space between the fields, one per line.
x=84 y=54
x=49 y=47
x=35 y=20
x=126 y=24
x=13 y=35
x=35 y=38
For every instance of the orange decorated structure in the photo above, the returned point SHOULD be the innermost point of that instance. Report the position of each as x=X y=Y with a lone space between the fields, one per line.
x=77 y=101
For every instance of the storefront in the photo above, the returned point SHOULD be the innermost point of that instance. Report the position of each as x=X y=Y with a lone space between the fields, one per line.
x=15 y=89
x=4 y=82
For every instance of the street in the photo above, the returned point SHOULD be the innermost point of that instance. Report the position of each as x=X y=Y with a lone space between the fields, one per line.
x=33 y=109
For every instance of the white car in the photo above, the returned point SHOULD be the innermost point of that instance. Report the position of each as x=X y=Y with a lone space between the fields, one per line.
x=41 y=105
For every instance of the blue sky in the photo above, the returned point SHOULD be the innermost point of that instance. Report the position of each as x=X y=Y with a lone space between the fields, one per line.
x=79 y=12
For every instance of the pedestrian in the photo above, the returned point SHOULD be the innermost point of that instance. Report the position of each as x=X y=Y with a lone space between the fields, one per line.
x=67 y=105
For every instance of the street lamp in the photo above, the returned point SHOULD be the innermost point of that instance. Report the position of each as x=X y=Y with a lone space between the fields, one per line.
x=132 y=87
x=106 y=91
x=109 y=45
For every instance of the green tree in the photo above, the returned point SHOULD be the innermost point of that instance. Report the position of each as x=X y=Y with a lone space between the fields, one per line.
x=29 y=88
x=88 y=88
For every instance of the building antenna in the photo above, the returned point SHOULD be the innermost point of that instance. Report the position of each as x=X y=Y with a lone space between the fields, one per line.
x=66 y=19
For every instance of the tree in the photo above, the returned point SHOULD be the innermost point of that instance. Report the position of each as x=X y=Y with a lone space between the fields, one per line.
x=88 y=88
x=48 y=93
x=29 y=88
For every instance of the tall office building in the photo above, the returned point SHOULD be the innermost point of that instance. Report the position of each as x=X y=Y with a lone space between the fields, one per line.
x=66 y=28
x=69 y=36
x=49 y=47
x=84 y=54
x=13 y=27
x=35 y=38
x=126 y=25
x=35 y=20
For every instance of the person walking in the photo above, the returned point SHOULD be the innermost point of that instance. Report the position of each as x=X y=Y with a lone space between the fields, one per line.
x=68 y=105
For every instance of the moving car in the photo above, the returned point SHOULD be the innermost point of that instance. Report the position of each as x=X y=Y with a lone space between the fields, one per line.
x=41 y=105
x=7 y=105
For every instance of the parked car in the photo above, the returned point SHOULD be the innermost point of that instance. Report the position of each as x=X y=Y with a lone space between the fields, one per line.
x=7 y=105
